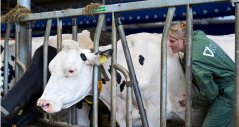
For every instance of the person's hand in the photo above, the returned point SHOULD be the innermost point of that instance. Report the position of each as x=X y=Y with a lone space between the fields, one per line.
x=183 y=101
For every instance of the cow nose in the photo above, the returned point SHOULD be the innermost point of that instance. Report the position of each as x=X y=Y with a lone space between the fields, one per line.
x=45 y=105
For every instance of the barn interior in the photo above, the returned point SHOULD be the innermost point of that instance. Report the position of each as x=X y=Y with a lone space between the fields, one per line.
x=212 y=18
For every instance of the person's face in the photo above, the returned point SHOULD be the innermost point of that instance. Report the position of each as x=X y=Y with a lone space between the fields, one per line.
x=176 y=45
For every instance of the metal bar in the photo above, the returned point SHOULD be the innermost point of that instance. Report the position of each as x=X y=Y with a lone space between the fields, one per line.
x=74 y=37
x=131 y=6
x=45 y=54
x=96 y=70
x=74 y=29
x=6 y=58
x=113 y=76
x=45 y=51
x=22 y=50
x=17 y=39
x=129 y=94
x=163 y=95
x=137 y=93
x=188 y=74
x=29 y=40
x=59 y=34
x=237 y=65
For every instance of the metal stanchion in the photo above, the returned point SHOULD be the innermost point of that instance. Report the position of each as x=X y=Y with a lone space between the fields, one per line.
x=45 y=54
x=29 y=42
x=189 y=67
x=163 y=86
x=74 y=37
x=96 y=69
x=237 y=65
x=113 y=76
x=6 y=58
x=132 y=73
x=59 y=35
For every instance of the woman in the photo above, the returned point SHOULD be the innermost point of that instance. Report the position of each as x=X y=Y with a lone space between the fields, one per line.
x=214 y=73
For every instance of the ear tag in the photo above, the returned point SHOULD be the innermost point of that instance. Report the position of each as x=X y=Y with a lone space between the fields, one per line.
x=20 y=112
x=103 y=59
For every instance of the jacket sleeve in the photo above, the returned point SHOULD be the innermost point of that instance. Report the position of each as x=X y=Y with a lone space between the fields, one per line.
x=208 y=88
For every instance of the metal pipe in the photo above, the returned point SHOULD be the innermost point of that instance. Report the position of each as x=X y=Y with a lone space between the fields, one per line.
x=188 y=67
x=74 y=28
x=163 y=89
x=132 y=73
x=45 y=54
x=129 y=94
x=74 y=37
x=45 y=51
x=120 y=7
x=59 y=34
x=17 y=41
x=6 y=58
x=113 y=76
x=29 y=40
x=96 y=70
x=23 y=45
x=237 y=65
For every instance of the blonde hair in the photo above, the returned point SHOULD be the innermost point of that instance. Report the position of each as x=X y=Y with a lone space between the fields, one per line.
x=178 y=30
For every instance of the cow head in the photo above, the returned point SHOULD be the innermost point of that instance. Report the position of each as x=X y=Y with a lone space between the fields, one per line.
x=71 y=77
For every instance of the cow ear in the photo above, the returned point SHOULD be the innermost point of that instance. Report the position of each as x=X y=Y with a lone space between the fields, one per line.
x=89 y=58
x=94 y=58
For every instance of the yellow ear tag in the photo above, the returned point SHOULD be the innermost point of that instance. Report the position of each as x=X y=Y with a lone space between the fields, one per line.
x=20 y=112
x=103 y=59
x=100 y=85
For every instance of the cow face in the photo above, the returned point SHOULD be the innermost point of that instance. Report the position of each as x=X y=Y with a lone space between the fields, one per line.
x=71 y=77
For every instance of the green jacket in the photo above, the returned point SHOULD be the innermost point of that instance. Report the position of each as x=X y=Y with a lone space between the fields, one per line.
x=211 y=68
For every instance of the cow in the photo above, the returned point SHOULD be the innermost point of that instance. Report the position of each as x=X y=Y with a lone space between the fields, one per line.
x=71 y=79
x=28 y=89
x=36 y=43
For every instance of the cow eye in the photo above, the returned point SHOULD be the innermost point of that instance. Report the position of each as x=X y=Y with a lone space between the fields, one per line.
x=71 y=71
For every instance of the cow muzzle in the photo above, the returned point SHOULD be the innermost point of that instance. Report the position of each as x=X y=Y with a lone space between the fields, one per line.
x=45 y=105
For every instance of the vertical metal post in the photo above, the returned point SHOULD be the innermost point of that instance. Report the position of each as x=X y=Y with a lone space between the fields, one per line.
x=128 y=94
x=74 y=29
x=6 y=58
x=163 y=86
x=59 y=45
x=29 y=42
x=59 y=34
x=96 y=69
x=74 y=37
x=23 y=45
x=132 y=73
x=45 y=53
x=189 y=67
x=17 y=39
x=237 y=64
x=113 y=75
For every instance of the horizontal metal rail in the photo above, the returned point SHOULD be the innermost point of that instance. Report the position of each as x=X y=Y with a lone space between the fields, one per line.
x=131 y=6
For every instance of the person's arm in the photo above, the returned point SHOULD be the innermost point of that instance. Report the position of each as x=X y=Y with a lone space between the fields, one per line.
x=208 y=88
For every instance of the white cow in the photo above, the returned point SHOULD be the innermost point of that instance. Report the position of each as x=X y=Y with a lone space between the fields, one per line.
x=71 y=79
x=84 y=40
